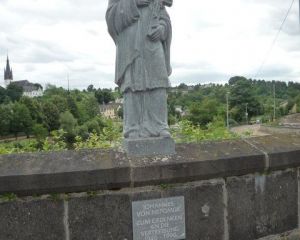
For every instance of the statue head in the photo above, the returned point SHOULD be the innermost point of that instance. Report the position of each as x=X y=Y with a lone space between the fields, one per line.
x=167 y=3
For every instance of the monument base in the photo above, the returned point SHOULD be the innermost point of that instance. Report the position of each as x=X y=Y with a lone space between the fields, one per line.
x=149 y=146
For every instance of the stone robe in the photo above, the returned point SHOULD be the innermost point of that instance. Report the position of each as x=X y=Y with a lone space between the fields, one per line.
x=142 y=66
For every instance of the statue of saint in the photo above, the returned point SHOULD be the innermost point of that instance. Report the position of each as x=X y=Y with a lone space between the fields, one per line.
x=142 y=32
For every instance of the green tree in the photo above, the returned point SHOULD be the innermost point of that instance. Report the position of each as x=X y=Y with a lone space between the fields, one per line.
x=183 y=86
x=14 y=92
x=21 y=120
x=53 y=90
x=5 y=119
x=60 y=102
x=91 y=107
x=34 y=108
x=242 y=98
x=104 y=96
x=83 y=132
x=72 y=107
x=50 y=116
x=204 y=112
x=91 y=88
x=112 y=132
x=40 y=132
x=2 y=94
x=68 y=124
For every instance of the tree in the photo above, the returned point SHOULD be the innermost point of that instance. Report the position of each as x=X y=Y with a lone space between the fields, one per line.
x=104 y=96
x=91 y=106
x=40 y=132
x=5 y=118
x=14 y=92
x=83 y=132
x=2 y=94
x=204 y=112
x=88 y=109
x=72 y=106
x=21 y=120
x=68 y=123
x=242 y=98
x=51 y=116
x=34 y=108
x=111 y=132
x=183 y=86
x=53 y=90
x=91 y=88
x=60 y=102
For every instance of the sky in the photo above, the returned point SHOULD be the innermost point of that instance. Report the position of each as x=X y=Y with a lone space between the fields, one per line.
x=213 y=40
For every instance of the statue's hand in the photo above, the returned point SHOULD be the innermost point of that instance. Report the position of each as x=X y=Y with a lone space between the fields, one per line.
x=142 y=3
x=157 y=34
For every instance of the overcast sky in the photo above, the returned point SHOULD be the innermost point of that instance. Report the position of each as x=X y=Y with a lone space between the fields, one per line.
x=212 y=41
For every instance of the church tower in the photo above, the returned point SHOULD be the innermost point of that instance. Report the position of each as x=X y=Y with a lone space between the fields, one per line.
x=8 y=74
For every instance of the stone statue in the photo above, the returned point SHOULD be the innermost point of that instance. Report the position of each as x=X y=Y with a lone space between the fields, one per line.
x=142 y=32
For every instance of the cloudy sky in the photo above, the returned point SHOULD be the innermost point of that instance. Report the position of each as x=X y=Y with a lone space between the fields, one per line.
x=212 y=41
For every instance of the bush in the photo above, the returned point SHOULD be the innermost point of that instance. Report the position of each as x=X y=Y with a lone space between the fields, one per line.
x=39 y=132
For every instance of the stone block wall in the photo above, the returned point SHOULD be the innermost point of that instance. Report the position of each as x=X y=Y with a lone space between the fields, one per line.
x=233 y=190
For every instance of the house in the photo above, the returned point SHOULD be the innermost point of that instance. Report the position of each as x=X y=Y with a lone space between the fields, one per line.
x=29 y=89
x=110 y=110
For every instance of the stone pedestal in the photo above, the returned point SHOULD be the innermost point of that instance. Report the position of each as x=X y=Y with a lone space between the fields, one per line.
x=149 y=146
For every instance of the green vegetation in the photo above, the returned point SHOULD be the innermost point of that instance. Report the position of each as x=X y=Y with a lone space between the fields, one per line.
x=64 y=119
x=186 y=132
x=202 y=103
x=59 y=120
x=9 y=197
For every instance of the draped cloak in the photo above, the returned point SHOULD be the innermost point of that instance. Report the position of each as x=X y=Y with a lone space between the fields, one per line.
x=141 y=64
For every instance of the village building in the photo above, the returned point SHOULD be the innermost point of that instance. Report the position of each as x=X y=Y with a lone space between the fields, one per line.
x=29 y=89
x=110 y=110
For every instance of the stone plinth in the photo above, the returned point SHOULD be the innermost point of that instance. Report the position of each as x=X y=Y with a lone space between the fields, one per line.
x=149 y=146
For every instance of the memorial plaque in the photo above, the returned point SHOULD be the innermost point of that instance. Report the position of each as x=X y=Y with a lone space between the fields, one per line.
x=159 y=219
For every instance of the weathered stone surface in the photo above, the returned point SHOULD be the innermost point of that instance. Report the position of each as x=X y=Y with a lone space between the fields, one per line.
x=88 y=170
x=260 y=205
x=33 y=220
x=100 y=217
x=204 y=209
x=149 y=146
x=198 y=162
x=108 y=216
x=142 y=33
x=66 y=171
x=291 y=235
x=283 y=150
x=241 y=208
x=281 y=130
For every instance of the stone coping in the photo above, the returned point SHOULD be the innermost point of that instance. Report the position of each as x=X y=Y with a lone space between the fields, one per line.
x=89 y=170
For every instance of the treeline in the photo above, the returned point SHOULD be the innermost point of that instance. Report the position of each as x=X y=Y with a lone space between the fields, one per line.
x=75 y=112
x=204 y=103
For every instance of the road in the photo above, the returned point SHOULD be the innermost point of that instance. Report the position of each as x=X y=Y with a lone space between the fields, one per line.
x=249 y=130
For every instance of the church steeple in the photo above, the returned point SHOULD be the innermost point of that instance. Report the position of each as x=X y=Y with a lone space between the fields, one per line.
x=8 y=73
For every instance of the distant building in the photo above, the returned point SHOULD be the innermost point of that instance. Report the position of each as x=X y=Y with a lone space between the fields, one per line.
x=110 y=110
x=119 y=100
x=183 y=90
x=29 y=89
x=8 y=74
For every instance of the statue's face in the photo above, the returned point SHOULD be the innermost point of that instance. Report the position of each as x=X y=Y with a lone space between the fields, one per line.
x=168 y=2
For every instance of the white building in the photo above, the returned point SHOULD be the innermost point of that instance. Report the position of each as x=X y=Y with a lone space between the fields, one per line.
x=29 y=89
x=110 y=110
